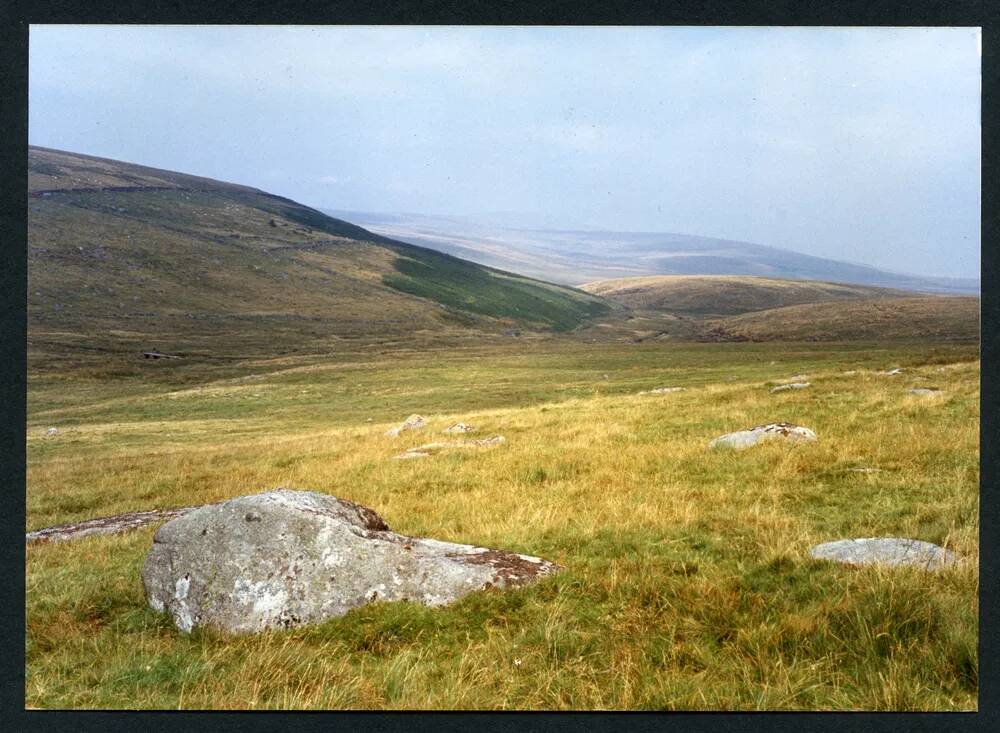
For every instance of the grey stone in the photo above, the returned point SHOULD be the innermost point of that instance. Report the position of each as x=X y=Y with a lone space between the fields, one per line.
x=118 y=524
x=924 y=391
x=413 y=422
x=459 y=427
x=752 y=436
x=793 y=385
x=663 y=390
x=306 y=557
x=893 y=372
x=892 y=551
x=422 y=451
x=407 y=455
x=51 y=431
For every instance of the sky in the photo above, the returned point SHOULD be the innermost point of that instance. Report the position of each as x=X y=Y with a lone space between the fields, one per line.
x=858 y=144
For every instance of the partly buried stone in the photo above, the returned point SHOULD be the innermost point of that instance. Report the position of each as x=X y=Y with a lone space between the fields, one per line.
x=663 y=390
x=118 y=524
x=924 y=391
x=793 y=385
x=773 y=431
x=459 y=427
x=885 y=551
x=422 y=451
x=285 y=558
x=893 y=372
x=413 y=422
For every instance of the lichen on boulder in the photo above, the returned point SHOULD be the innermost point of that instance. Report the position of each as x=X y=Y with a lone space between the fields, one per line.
x=772 y=431
x=285 y=558
x=892 y=551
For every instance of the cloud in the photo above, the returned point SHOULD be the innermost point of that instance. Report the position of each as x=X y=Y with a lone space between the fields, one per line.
x=845 y=142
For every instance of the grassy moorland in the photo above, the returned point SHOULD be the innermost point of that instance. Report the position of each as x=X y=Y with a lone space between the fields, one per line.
x=687 y=583
x=727 y=295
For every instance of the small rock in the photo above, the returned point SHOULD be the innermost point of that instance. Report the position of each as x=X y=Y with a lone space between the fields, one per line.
x=459 y=427
x=773 y=431
x=893 y=372
x=863 y=469
x=308 y=558
x=850 y=373
x=663 y=390
x=52 y=431
x=118 y=524
x=421 y=451
x=924 y=391
x=410 y=454
x=892 y=551
x=413 y=422
x=793 y=385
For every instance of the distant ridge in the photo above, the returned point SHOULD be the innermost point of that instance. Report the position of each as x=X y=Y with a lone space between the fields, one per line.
x=727 y=295
x=582 y=256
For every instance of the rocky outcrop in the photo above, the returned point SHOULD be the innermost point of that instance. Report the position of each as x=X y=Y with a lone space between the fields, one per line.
x=285 y=558
x=892 y=551
x=793 y=385
x=118 y=524
x=422 y=451
x=663 y=390
x=413 y=422
x=774 y=431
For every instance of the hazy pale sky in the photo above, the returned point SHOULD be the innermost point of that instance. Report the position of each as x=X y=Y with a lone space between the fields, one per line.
x=856 y=144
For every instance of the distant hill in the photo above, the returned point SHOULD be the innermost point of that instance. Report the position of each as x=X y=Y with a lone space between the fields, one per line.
x=577 y=257
x=925 y=318
x=707 y=295
x=125 y=257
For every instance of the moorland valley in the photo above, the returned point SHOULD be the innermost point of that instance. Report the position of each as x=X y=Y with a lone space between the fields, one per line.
x=192 y=342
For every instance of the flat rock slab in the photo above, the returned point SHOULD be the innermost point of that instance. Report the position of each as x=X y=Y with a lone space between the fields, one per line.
x=793 y=385
x=894 y=551
x=118 y=524
x=413 y=422
x=422 y=451
x=924 y=391
x=762 y=433
x=893 y=372
x=663 y=390
x=459 y=427
x=286 y=558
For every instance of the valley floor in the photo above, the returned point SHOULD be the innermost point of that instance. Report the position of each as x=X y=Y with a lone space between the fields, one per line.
x=688 y=583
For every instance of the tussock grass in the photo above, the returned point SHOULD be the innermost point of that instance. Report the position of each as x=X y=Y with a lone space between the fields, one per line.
x=688 y=583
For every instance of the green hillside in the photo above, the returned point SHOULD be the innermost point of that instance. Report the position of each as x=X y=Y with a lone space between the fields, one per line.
x=126 y=258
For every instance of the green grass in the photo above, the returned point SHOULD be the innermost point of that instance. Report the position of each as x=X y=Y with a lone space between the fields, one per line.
x=465 y=286
x=221 y=271
x=687 y=584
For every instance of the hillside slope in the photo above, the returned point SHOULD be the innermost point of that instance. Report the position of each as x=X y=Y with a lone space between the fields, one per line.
x=705 y=295
x=125 y=257
x=574 y=257
x=926 y=318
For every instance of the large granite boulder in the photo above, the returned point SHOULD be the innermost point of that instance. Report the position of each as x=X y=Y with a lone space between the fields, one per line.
x=884 y=551
x=773 y=431
x=285 y=558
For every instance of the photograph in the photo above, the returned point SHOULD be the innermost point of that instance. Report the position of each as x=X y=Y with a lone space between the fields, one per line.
x=502 y=368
